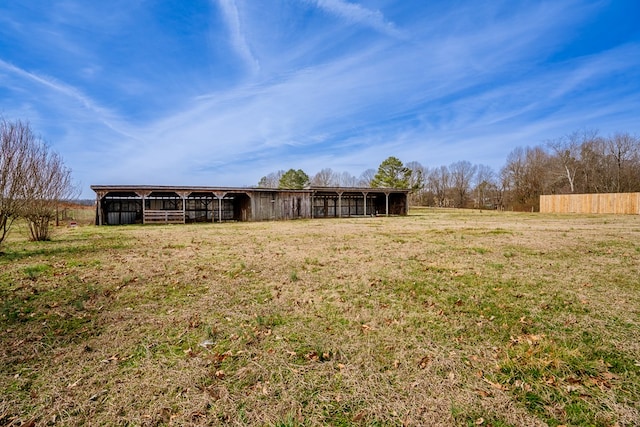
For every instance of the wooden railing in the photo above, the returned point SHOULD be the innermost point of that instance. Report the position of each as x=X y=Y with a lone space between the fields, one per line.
x=163 y=217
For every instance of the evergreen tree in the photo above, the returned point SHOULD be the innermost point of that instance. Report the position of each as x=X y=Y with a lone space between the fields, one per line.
x=294 y=179
x=392 y=174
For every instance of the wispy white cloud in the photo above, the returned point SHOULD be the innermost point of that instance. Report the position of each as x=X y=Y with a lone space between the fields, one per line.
x=238 y=40
x=358 y=14
x=46 y=82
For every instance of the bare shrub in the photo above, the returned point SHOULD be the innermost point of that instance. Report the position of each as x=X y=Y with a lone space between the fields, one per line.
x=33 y=180
x=15 y=141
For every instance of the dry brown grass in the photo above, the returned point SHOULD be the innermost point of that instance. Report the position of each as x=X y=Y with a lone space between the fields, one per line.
x=439 y=318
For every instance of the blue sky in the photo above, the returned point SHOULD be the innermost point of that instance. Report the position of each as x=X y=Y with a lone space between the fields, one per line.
x=222 y=92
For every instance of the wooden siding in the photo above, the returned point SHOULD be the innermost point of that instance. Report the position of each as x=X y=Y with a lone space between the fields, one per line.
x=281 y=204
x=602 y=203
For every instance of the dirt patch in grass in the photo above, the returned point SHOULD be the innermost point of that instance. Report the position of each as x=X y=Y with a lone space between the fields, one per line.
x=438 y=318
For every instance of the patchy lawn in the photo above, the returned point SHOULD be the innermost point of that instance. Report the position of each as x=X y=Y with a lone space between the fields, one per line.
x=443 y=317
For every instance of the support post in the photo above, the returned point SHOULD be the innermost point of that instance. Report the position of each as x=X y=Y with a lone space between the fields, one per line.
x=386 y=203
x=220 y=196
x=144 y=206
x=143 y=196
x=99 y=213
x=184 y=195
x=339 y=204
x=364 y=193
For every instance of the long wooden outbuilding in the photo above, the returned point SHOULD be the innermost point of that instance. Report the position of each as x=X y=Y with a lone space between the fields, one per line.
x=145 y=204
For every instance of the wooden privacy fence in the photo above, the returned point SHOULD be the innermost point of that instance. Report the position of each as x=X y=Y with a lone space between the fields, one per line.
x=603 y=203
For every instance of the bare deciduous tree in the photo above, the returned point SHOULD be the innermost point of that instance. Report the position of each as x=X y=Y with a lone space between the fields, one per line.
x=33 y=180
x=417 y=182
x=272 y=180
x=567 y=154
x=324 y=178
x=345 y=179
x=439 y=180
x=485 y=187
x=16 y=139
x=366 y=178
x=624 y=153
x=529 y=176
x=49 y=182
x=462 y=174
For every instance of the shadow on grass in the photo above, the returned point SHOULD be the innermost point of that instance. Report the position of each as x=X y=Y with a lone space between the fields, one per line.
x=60 y=248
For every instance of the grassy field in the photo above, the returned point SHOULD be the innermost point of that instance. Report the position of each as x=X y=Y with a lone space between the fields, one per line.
x=443 y=317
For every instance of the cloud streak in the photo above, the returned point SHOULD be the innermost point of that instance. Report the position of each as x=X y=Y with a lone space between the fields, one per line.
x=102 y=115
x=238 y=39
x=355 y=13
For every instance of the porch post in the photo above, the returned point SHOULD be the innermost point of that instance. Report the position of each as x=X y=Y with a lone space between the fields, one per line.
x=184 y=196
x=386 y=203
x=99 y=214
x=364 y=193
x=220 y=196
x=144 y=207
x=143 y=195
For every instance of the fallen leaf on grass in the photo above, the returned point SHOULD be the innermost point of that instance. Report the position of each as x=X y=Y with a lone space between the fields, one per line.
x=483 y=393
x=72 y=385
x=495 y=385
x=529 y=339
x=424 y=362
x=360 y=416
x=198 y=414
x=206 y=343
x=97 y=395
x=113 y=358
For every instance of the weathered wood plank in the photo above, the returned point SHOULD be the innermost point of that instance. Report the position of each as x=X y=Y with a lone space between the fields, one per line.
x=601 y=203
x=164 y=217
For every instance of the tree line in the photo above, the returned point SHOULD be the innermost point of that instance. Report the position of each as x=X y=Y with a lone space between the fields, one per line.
x=579 y=162
x=391 y=174
x=33 y=179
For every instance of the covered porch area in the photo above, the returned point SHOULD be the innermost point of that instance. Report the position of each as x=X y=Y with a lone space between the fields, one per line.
x=169 y=205
x=330 y=202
